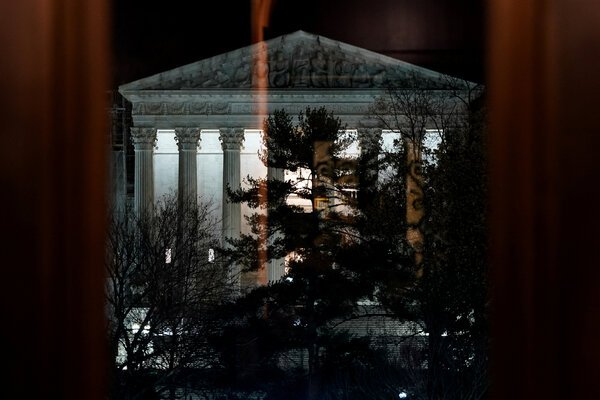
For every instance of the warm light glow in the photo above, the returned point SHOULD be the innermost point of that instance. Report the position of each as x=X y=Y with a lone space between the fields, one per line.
x=261 y=14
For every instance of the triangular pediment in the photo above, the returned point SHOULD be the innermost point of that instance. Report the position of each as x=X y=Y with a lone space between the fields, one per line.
x=297 y=60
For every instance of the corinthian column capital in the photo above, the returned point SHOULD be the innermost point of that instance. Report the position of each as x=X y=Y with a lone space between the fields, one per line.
x=187 y=138
x=143 y=138
x=231 y=138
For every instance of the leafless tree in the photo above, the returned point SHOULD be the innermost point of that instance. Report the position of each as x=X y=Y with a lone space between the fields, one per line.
x=445 y=195
x=164 y=285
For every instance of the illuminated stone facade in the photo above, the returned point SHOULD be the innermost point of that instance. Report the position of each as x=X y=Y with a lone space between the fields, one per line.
x=199 y=125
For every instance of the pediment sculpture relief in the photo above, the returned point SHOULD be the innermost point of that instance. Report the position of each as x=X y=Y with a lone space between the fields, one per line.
x=294 y=61
x=301 y=66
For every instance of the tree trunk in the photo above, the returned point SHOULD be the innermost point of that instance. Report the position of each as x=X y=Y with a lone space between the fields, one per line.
x=435 y=370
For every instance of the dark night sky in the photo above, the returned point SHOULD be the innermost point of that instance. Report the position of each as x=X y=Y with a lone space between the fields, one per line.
x=444 y=35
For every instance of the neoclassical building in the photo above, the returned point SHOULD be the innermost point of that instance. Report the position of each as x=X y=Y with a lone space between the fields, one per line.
x=196 y=129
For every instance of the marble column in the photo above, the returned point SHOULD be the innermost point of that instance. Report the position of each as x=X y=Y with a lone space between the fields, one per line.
x=144 y=140
x=275 y=266
x=231 y=141
x=369 y=140
x=187 y=143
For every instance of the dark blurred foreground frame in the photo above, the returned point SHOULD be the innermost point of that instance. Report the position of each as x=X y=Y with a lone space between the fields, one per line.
x=53 y=79
x=544 y=85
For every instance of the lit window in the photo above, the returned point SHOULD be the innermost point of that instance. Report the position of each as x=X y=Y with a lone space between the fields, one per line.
x=211 y=255
x=350 y=193
x=321 y=203
x=135 y=328
x=168 y=256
